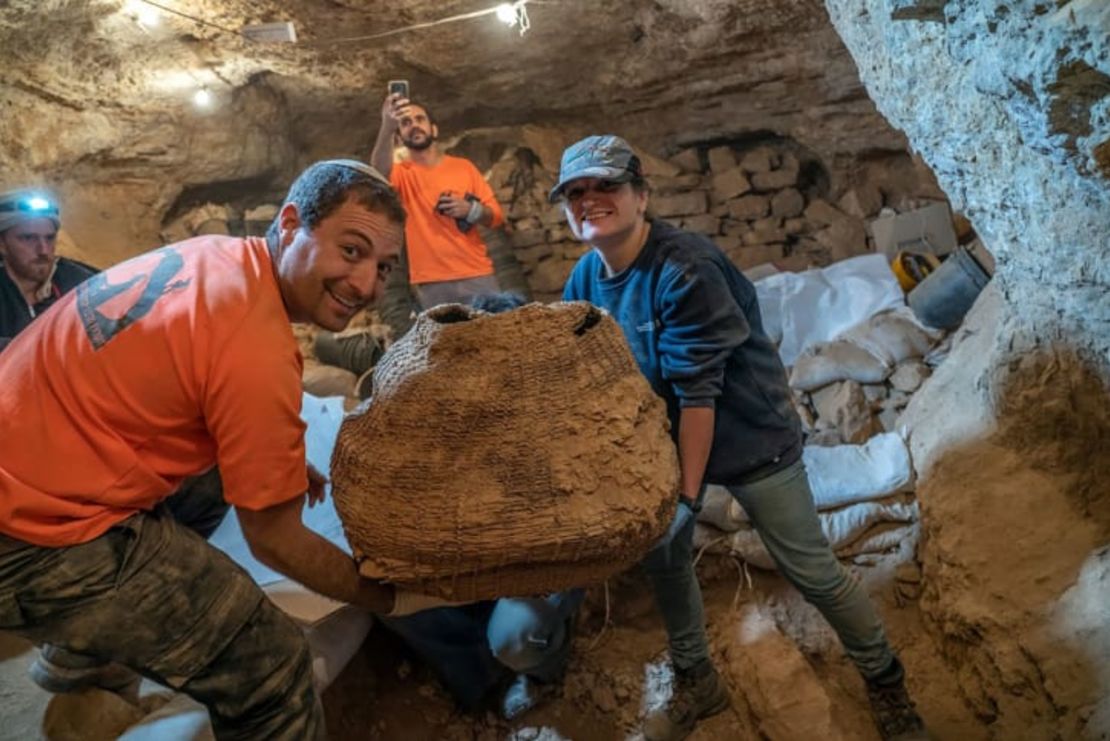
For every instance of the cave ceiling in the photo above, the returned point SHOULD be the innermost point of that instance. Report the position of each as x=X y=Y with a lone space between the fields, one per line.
x=673 y=71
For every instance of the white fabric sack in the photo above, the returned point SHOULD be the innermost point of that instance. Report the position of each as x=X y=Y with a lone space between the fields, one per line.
x=834 y=361
x=845 y=474
x=802 y=309
x=181 y=719
x=880 y=538
x=893 y=336
x=720 y=510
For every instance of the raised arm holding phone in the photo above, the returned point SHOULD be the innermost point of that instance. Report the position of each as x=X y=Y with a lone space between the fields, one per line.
x=444 y=197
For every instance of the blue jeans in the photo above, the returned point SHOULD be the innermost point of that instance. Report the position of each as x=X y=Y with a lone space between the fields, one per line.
x=781 y=509
x=473 y=647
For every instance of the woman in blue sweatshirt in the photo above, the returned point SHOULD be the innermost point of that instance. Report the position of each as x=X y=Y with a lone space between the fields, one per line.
x=694 y=326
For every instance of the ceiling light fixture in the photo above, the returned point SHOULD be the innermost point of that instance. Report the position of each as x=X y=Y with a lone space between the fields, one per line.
x=144 y=14
x=282 y=32
x=511 y=14
x=202 y=98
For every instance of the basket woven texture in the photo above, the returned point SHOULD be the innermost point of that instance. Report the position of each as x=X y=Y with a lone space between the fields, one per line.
x=512 y=454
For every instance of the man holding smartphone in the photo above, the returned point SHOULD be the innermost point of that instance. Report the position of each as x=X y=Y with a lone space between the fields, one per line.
x=444 y=197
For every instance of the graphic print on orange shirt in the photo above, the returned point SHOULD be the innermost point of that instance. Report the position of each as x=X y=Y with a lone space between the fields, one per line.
x=108 y=309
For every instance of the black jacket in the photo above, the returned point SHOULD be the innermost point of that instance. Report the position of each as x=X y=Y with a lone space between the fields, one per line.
x=14 y=313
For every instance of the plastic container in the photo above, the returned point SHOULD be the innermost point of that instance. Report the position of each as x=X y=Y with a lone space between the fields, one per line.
x=947 y=293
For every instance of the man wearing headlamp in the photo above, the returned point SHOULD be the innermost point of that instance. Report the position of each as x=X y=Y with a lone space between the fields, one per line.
x=33 y=277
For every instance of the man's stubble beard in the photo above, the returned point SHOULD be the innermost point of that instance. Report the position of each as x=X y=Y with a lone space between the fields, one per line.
x=429 y=140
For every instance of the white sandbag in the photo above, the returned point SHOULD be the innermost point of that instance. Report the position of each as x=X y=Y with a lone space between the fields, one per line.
x=181 y=719
x=845 y=474
x=881 y=538
x=893 y=336
x=834 y=361
x=842 y=528
x=720 y=510
x=334 y=641
x=803 y=309
x=838 y=475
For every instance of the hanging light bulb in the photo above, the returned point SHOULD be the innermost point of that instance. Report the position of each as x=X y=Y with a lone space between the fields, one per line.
x=145 y=15
x=506 y=13
x=202 y=98
x=514 y=14
x=149 y=17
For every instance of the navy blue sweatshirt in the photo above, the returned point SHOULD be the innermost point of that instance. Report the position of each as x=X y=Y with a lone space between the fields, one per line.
x=695 y=329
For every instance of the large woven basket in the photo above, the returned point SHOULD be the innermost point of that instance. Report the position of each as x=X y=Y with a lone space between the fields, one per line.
x=511 y=454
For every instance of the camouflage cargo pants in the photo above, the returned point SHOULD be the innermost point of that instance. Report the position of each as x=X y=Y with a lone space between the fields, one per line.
x=153 y=595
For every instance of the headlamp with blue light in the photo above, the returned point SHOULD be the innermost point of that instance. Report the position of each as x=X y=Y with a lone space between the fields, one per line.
x=17 y=206
x=35 y=205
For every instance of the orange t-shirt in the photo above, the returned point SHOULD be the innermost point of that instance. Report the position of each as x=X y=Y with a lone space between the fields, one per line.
x=436 y=249
x=149 y=372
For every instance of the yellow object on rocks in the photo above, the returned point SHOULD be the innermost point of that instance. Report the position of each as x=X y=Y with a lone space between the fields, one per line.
x=911 y=268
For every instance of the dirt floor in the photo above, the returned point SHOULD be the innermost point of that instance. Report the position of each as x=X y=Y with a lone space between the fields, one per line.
x=618 y=671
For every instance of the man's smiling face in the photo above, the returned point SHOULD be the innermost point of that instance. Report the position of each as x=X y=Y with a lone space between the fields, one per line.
x=330 y=273
x=416 y=128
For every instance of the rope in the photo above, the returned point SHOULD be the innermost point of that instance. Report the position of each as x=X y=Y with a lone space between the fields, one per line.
x=604 y=625
x=192 y=18
x=745 y=577
x=520 y=19
x=710 y=544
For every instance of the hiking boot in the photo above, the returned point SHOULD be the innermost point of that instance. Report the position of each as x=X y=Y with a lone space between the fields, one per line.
x=58 y=670
x=892 y=708
x=696 y=694
x=525 y=693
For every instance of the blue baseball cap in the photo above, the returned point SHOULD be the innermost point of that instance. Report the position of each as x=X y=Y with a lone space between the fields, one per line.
x=607 y=156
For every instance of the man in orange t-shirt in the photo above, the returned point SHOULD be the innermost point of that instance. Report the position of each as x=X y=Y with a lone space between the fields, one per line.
x=157 y=370
x=444 y=198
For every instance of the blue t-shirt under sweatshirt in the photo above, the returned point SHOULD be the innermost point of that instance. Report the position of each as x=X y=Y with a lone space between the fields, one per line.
x=695 y=329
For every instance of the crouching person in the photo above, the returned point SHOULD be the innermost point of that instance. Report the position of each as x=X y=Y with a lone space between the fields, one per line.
x=507 y=654
x=155 y=371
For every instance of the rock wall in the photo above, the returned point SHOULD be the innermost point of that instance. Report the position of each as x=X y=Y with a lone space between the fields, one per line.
x=769 y=200
x=1010 y=106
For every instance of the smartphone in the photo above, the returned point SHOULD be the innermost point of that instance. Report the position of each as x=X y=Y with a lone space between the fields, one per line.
x=399 y=87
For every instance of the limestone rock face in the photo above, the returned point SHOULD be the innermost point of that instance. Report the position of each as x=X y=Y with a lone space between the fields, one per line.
x=1011 y=109
x=1009 y=105
x=513 y=454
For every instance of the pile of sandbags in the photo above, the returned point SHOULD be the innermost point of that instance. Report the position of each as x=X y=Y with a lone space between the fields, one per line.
x=855 y=385
x=511 y=454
